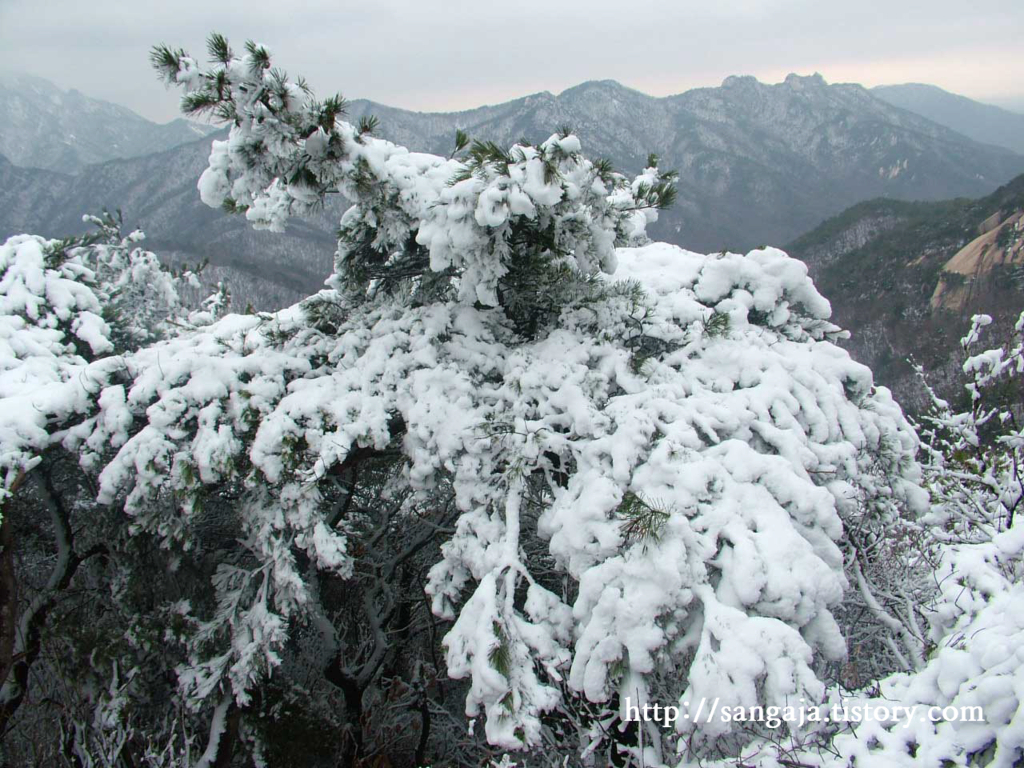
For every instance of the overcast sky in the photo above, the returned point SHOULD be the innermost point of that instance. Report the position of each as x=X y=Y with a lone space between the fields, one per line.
x=431 y=55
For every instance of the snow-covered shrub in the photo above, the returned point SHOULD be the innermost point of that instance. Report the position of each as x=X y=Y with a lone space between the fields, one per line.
x=682 y=438
x=975 y=469
x=967 y=695
x=620 y=470
x=975 y=472
x=684 y=502
x=890 y=558
x=69 y=312
x=64 y=303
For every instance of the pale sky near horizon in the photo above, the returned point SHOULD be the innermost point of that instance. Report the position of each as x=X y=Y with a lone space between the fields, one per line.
x=432 y=55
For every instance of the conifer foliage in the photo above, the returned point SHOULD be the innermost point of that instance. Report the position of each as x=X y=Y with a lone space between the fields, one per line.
x=64 y=303
x=582 y=466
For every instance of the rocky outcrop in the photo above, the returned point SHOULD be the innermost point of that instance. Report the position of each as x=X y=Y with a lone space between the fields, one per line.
x=909 y=290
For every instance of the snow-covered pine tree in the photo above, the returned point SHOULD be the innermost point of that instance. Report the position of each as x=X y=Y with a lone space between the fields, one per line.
x=976 y=457
x=63 y=304
x=629 y=465
x=966 y=697
x=69 y=310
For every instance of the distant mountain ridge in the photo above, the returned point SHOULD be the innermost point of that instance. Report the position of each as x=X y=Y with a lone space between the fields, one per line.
x=759 y=164
x=43 y=126
x=981 y=122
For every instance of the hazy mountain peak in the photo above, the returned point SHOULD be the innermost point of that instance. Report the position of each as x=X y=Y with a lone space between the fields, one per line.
x=25 y=80
x=795 y=81
x=740 y=81
x=981 y=122
x=600 y=86
x=45 y=126
x=538 y=98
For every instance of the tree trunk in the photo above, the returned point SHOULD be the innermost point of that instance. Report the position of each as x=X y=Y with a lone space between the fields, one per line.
x=8 y=596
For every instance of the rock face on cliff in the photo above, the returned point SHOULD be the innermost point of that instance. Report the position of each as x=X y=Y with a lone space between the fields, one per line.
x=908 y=276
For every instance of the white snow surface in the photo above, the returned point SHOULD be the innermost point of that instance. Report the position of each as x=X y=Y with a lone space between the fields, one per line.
x=51 y=325
x=730 y=434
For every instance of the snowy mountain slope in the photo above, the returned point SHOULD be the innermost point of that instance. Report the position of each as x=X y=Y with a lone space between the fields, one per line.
x=42 y=126
x=981 y=122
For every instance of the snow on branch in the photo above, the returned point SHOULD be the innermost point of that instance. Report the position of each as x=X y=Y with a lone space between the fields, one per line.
x=478 y=216
x=492 y=331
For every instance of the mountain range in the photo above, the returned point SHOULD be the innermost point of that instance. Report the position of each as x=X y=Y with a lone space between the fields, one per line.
x=42 y=126
x=981 y=122
x=758 y=164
